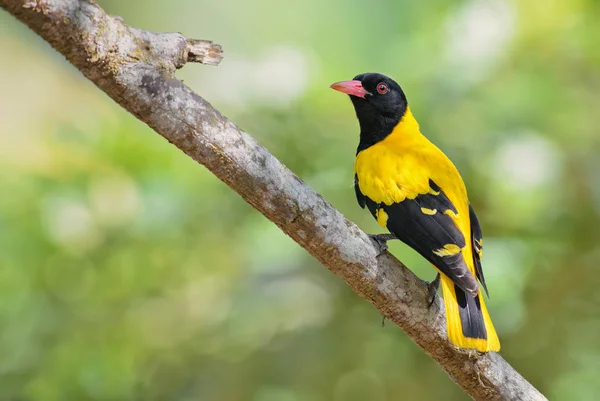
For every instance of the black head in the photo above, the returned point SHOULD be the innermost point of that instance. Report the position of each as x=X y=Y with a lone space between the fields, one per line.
x=379 y=103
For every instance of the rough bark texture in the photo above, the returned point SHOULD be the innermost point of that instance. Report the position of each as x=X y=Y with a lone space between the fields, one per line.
x=136 y=68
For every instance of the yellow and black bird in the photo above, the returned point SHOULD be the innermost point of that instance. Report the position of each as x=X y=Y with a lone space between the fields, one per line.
x=413 y=189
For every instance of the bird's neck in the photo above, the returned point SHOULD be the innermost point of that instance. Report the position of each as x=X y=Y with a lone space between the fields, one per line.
x=376 y=129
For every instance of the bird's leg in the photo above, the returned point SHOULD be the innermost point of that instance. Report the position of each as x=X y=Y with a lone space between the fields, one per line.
x=432 y=289
x=381 y=241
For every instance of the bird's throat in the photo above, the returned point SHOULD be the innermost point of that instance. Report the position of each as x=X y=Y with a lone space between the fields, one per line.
x=375 y=128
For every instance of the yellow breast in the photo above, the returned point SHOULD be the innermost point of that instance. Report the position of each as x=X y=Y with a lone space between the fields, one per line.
x=399 y=166
x=388 y=176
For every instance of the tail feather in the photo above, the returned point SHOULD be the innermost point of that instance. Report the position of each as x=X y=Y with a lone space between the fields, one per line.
x=469 y=323
x=469 y=310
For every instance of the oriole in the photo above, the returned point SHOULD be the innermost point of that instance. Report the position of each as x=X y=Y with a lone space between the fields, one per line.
x=414 y=190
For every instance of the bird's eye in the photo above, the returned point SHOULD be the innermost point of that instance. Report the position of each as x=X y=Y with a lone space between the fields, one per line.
x=382 y=88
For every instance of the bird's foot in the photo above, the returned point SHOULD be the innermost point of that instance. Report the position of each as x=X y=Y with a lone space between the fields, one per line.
x=381 y=240
x=432 y=289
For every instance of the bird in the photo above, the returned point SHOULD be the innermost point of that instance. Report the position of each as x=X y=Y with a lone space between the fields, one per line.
x=413 y=190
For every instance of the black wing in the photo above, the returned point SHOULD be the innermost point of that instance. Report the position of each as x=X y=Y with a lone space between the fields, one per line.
x=424 y=225
x=477 y=238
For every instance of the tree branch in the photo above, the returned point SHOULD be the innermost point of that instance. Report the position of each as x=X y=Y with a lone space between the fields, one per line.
x=136 y=68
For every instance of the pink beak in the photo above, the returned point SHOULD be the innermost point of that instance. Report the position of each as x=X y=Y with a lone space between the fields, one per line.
x=353 y=88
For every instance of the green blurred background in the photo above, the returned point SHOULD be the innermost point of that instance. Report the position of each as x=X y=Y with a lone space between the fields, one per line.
x=129 y=272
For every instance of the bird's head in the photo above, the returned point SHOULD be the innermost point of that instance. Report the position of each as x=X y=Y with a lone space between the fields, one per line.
x=379 y=103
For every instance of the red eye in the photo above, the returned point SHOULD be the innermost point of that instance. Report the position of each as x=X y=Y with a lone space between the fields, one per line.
x=382 y=88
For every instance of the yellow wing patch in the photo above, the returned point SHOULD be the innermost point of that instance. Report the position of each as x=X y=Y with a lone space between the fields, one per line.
x=382 y=217
x=429 y=212
x=479 y=247
x=451 y=213
x=448 y=250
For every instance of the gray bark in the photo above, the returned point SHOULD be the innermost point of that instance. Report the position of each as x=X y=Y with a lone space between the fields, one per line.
x=136 y=68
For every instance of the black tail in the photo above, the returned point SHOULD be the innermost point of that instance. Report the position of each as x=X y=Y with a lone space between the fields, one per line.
x=471 y=317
